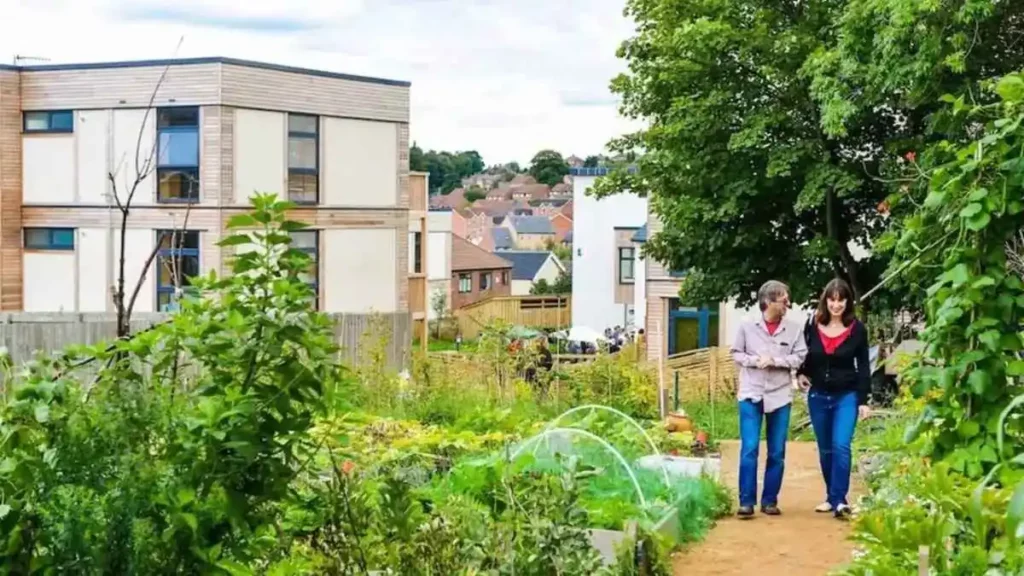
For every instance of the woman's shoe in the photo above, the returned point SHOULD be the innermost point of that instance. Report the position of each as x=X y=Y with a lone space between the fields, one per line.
x=843 y=511
x=745 y=512
x=823 y=508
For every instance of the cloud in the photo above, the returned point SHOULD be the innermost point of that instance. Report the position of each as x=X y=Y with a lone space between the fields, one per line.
x=505 y=77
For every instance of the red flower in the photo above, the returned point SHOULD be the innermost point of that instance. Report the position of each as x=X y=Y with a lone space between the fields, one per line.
x=347 y=467
x=911 y=156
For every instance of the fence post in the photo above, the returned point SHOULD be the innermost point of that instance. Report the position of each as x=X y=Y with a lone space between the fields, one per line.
x=676 y=407
x=922 y=560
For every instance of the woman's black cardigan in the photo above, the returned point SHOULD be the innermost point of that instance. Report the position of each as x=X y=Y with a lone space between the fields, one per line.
x=846 y=370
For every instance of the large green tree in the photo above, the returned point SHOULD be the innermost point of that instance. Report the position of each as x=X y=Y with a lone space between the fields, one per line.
x=548 y=167
x=771 y=126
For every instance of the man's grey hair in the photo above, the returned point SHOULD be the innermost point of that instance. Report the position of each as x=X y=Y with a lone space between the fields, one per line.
x=770 y=292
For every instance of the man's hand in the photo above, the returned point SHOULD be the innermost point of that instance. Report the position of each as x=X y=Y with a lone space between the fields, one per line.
x=764 y=361
x=804 y=382
x=864 y=412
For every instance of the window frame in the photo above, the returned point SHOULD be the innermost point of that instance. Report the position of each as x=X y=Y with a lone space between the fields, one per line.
x=51 y=244
x=314 y=253
x=172 y=252
x=315 y=137
x=49 y=122
x=632 y=265
x=486 y=281
x=187 y=170
x=468 y=278
x=417 y=252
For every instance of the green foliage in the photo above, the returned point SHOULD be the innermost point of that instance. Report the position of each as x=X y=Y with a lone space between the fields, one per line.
x=975 y=308
x=548 y=167
x=774 y=130
x=447 y=169
x=177 y=457
x=474 y=194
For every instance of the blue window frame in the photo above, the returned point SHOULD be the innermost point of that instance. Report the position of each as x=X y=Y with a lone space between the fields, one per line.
x=308 y=241
x=49 y=238
x=177 y=263
x=303 y=158
x=177 y=165
x=48 y=122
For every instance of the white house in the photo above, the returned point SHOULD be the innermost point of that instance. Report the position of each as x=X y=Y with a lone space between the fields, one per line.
x=604 y=264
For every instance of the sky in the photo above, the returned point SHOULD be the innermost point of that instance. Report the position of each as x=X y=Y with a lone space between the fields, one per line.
x=504 y=77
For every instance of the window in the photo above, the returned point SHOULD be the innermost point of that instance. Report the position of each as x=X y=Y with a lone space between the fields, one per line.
x=308 y=241
x=417 y=253
x=465 y=283
x=485 y=281
x=303 y=158
x=627 y=260
x=61 y=121
x=49 y=238
x=177 y=263
x=177 y=166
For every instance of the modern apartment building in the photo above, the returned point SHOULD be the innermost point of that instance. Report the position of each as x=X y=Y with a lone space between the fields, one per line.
x=604 y=265
x=218 y=129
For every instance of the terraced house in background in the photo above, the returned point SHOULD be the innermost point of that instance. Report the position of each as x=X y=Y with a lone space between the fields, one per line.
x=220 y=130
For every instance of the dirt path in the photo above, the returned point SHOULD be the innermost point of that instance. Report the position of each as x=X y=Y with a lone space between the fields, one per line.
x=798 y=543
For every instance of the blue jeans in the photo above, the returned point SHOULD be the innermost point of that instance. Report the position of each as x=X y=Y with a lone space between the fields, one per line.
x=834 y=417
x=777 y=424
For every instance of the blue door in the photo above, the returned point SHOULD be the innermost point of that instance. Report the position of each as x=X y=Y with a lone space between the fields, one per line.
x=690 y=328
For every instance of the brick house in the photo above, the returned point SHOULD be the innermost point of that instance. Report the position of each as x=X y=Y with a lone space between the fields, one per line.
x=477 y=274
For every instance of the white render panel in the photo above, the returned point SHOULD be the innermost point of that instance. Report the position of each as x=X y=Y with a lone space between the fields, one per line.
x=127 y=147
x=521 y=287
x=92 y=147
x=594 y=253
x=359 y=163
x=48 y=168
x=261 y=154
x=49 y=281
x=138 y=247
x=439 y=245
x=94 y=280
x=359 y=272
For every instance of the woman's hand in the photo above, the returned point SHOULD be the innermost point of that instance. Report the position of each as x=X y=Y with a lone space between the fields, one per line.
x=804 y=382
x=864 y=411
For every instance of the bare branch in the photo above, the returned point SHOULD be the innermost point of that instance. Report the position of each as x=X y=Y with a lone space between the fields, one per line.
x=1015 y=254
x=142 y=171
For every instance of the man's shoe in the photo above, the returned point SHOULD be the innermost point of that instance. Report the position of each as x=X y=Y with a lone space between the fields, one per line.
x=771 y=510
x=843 y=511
x=745 y=512
x=823 y=508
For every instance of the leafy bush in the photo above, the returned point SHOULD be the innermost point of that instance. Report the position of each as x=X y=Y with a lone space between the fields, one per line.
x=178 y=457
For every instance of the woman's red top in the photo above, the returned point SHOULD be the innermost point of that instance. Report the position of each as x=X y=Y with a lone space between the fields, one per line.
x=830 y=343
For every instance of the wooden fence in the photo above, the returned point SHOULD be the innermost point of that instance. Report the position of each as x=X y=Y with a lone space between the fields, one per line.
x=26 y=333
x=531 y=311
x=705 y=374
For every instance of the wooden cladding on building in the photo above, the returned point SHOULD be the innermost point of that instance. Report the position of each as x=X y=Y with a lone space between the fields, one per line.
x=212 y=84
x=10 y=191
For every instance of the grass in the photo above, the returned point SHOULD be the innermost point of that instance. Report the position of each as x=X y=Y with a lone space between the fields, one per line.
x=721 y=420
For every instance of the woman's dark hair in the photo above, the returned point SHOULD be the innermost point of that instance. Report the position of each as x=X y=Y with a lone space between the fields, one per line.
x=837 y=289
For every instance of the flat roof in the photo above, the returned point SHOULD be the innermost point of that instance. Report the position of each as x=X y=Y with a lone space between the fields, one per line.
x=204 y=60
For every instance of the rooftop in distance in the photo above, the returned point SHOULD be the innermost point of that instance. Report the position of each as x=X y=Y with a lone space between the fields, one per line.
x=203 y=60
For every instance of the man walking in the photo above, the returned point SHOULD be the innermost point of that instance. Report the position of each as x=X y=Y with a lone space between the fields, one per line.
x=766 y=349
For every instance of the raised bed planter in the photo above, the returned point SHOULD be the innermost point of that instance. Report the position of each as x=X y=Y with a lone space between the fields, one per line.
x=684 y=466
x=607 y=542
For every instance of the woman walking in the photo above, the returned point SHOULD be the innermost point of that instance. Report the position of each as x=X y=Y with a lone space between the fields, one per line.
x=837 y=376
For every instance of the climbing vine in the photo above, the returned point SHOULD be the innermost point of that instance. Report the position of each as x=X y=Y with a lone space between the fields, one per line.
x=973 y=189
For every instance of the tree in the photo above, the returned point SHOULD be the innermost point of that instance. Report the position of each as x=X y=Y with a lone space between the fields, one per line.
x=741 y=160
x=561 y=285
x=447 y=169
x=592 y=162
x=439 y=305
x=474 y=194
x=548 y=167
